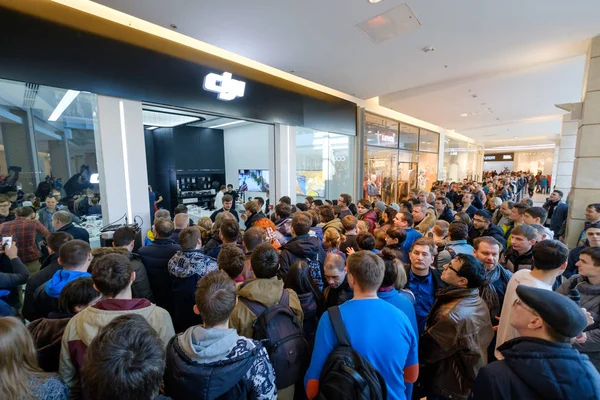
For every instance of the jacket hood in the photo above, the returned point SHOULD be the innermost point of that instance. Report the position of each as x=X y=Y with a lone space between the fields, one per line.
x=305 y=247
x=284 y=226
x=265 y=291
x=60 y=279
x=206 y=346
x=561 y=372
x=91 y=320
x=102 y=251
x=187 y=263
x=493 y=230
x=336 y=224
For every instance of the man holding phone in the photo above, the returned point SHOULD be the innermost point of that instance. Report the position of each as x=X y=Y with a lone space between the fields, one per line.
x=13 y=273
x=23 y=230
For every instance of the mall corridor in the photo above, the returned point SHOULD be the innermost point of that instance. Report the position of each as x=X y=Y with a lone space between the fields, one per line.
x=293 y=200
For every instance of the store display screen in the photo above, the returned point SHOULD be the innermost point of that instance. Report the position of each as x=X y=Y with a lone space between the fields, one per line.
x=310 y=183
x=253 y=180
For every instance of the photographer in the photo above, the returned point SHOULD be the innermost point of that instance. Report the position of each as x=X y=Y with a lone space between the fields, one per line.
x=13 y=273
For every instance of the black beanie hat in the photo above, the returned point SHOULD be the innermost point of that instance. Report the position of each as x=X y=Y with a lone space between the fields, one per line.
x=557 y=310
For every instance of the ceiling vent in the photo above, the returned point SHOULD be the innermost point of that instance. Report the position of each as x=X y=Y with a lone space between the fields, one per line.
x=31 y=91
x=391 y=23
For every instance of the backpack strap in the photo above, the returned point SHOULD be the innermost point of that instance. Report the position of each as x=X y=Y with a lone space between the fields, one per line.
x=285 y=298
x=255 y=307
x=335 y=316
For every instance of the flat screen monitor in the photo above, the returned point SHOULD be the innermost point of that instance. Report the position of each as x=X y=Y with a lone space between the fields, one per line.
x=310 y=183
x=253 y=180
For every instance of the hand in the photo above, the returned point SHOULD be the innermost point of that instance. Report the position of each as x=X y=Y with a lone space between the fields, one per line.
x=497 y=326
x=582 y=338
x=589 y=317
x=11 y=251
x=350 y=250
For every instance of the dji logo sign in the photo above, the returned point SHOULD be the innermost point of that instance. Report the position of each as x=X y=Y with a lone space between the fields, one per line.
x=227 y=87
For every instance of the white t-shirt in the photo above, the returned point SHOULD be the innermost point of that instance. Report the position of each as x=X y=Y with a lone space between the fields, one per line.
x=505 y=330
x=219 y=200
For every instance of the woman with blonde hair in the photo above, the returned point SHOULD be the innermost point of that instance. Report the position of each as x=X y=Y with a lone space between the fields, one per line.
x=20 y=376
x=331 y=241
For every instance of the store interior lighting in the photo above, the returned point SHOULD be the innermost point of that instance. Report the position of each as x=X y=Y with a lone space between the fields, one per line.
x=62 y=105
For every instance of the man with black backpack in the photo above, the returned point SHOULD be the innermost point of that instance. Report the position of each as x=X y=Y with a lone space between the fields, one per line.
x=266 y=310
x=365 y=348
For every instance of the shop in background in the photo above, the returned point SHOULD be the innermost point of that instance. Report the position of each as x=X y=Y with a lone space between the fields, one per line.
x=398 y=157
x=462 y=160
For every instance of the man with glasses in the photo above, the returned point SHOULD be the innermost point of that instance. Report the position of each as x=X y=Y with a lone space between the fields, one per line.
x=5 y=214
x=549 y=262
x=458 y=332
x=483 y=226
x=541 y=363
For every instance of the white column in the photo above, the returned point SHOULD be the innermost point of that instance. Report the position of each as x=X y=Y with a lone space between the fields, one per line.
x=122 y=161
x=285 y=161
x=566 y=155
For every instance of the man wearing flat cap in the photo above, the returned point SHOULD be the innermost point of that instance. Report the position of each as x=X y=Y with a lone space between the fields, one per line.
x=541 y=363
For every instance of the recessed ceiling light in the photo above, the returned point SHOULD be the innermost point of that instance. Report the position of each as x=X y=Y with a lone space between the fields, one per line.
x=464 y=115
x=375 y=1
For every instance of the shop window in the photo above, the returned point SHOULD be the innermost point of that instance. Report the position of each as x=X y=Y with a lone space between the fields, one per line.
x=409 y=137
x=324 y=164
x=455 y=160
x=428 y=166
x=47 y=141
x=381 y=174
x=429 y=141
x=381 y=131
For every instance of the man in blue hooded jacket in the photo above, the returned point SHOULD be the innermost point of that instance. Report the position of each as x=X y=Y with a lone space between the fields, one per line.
x=75 y=257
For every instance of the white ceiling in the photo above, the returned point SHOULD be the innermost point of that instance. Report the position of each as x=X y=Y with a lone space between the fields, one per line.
x=519 y=57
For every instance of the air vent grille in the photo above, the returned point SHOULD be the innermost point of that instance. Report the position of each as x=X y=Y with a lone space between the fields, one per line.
x=31 y=91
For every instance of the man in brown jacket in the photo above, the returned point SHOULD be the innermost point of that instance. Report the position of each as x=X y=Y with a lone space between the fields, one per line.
x=458 y=332
x=267 y=290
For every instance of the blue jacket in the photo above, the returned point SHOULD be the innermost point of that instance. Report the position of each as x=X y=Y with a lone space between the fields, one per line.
x=155 y=258
x=573 y=258
x=411 y=237
x=538 y=369
x=559 y=216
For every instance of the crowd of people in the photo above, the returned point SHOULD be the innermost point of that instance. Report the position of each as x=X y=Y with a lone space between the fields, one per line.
x=467 y=291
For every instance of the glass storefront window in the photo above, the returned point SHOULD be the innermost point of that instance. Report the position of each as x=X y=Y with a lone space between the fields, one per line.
x=455 y=160
x=381 y=174
x=428 y=166
x=409 y=137
x=324 y=164
x=429 y=141
x=381 y=131
x=47 y=142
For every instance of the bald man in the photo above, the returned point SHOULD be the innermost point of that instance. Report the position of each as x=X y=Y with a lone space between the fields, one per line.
x=181 y=221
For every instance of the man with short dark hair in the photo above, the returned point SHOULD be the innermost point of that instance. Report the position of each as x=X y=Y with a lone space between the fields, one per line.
x=155 y=257
x=405 y=221
x=233 y=193
x=549 y=262
x=377 y=330
x=519 y=254
x=592 y=239
x=592 y=217
x=442 y=210
x=483 y=226
x=587 y=283
x=123 y=243
x=458 y=232
x=5 y=209
x=302 y=246
x=228 y=205
x=349 y=223
x=186 y=268
x=212 y=349
x=516 y=217
x=458 y=331
x=344 y=202
x=283 y=220
x=125 y=360
x=266 y=290
x=285 y=200
x=62 y=222
x=232 y=260
x=252 y=238
x=23 y=230
x=557 y=211
x=537 y=215
x=468 y=207
x=112 y=277
x=422 y=280
x=394 y=240
x=229 y=233
x=50 y=266
x=541 y=363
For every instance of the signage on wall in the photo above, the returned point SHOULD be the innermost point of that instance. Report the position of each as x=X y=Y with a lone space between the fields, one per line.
x=499 y=157
x=227 y=87
x=387 y=138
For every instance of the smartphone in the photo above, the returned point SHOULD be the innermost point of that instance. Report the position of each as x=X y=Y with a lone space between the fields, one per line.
x=6 y=241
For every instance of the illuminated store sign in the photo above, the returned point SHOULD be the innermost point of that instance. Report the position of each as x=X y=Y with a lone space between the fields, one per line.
x=499 y=157
x=227 y=87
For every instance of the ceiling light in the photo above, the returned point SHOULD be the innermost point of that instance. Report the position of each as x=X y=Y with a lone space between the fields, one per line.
x=166 y=120
x=464 y=115
x=63 y=104
x=374 y=1
x=151 y=128
x=227 y=124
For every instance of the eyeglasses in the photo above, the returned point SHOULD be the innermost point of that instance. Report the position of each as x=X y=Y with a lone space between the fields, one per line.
x=455 y=271
x=519 y=302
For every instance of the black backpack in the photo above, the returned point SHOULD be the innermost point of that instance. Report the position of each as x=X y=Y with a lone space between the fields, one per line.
x=281 y=331
x=346 y=374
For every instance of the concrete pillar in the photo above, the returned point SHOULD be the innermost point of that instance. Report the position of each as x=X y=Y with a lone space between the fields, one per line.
x=285 y=162
x=562 y=179
x=555 y=161
x=59 y=156
x=586 y=185
x=19 y=152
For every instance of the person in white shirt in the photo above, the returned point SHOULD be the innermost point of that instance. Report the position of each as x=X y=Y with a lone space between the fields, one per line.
x=219 y=197
x=549 y=262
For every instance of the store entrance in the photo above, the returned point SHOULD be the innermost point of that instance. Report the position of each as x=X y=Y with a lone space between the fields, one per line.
x=407 y=178
x=192 y=155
